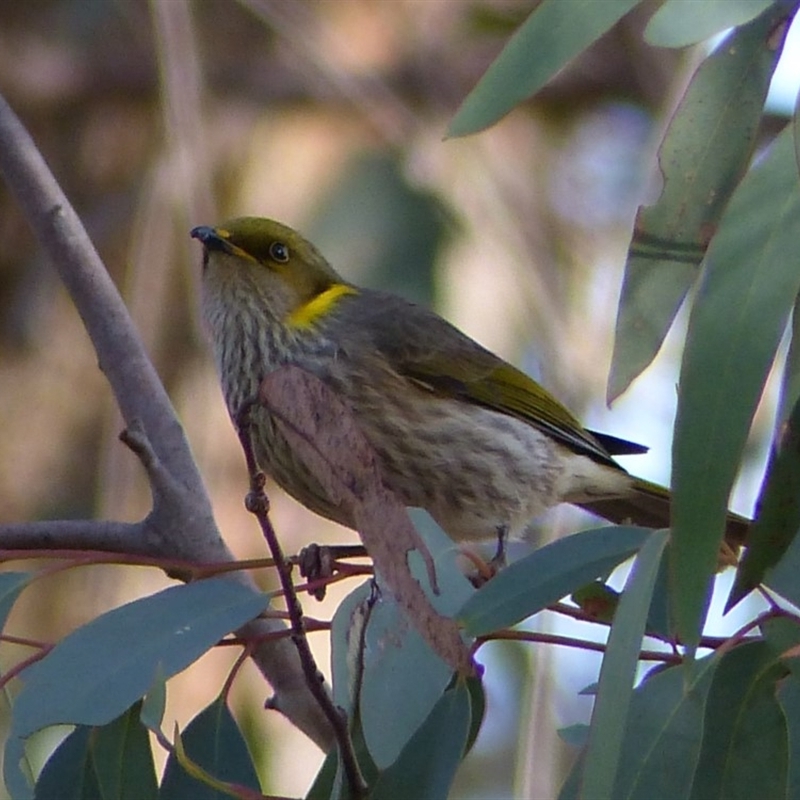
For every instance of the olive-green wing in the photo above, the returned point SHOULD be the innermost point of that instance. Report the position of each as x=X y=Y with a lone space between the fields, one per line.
x=428 y=349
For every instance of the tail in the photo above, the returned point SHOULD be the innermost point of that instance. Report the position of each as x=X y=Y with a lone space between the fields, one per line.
x=648 y=505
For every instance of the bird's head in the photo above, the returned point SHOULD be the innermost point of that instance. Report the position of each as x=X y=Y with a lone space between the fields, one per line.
x=260 y=262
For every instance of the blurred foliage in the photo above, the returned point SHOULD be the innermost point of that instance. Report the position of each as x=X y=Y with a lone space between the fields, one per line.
x=330 y=116
x=400 y=230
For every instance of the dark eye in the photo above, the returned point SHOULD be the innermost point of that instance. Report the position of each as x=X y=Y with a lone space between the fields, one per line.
x=279 y=252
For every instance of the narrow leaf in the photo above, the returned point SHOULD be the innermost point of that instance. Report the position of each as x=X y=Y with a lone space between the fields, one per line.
x=671 y=26
x=609 y=718
x=745 y=739
x=396 y=655
x=68 y=773
x=99 y=670
x=789 y=698
x=11 y=585
x=122 y=759
x=778 y=520
x=547 y=575
x=738 y=318
x=428 y=763
x=704 y=154
x=220 y=789
x=213 y=741
x=664 y=733
x=154 y=704
x=553 y=35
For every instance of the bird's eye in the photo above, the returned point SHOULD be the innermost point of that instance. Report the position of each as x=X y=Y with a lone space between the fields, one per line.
x=279 y=252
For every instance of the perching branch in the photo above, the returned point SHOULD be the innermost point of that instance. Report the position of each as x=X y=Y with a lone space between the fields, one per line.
x=181 y=524
x=258 y=505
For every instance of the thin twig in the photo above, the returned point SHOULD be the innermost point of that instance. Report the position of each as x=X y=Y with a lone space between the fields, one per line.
x=569 y=641
x=24 y=642
x=258 y=504
x=80 y=557
x=23 y=665
x=707 y=642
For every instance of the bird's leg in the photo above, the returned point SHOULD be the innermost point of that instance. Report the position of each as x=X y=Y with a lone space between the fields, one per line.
x=499 y=559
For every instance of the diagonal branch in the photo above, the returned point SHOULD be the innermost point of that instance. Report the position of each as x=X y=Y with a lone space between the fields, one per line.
x=181 y=524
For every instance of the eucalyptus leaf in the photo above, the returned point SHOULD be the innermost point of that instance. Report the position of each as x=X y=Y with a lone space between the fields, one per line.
x=99 y=670
x=11 y=586
x=664 y=732
x=214 y=742
x=428 y=763
x=111 y=762
x=551 y=37
x=122 y=758
x=68 y=773
x=789 y=698
x=672 y=26
x=778 y=520
x=610 y=715
x=705 y=152
x=548 y=574
x=395 y=655
x=739 y=315
x=745 y=737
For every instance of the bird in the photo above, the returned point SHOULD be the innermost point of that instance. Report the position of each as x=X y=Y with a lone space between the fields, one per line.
x=456 y=430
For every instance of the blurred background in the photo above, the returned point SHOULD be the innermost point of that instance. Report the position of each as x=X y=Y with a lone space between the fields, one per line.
x=329 y=116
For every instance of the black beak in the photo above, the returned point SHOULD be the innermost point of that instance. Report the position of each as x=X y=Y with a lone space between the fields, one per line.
x=210 y=239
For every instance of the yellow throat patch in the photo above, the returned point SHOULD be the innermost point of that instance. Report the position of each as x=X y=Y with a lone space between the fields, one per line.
x=306 y=315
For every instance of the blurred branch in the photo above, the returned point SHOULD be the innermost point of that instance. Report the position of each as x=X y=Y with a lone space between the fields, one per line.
x=181 y=92
x=386 y=111
x=181 y=523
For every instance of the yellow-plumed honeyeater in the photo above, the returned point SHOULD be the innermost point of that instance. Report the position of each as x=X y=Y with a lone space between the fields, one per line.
x=457 y=430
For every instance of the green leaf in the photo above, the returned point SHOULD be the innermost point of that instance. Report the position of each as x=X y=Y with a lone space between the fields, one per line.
x=99 y=670
x=103 y=667
x=373 y=645
x=783 y=578
x=396 y=655
x=576 y=735
x=790 y=382
x=778 y=520
x=11 y=586
x=782 y=634
x=213 y=741
x=383 y=229
x=68 y=773
x=745 y=738
x=609 y=718
x=428 y=763
x=347 y=638
x=547 y=575
x=789 y=698
x=112 y=762
x=553 y=35
x=477 y=699
x=122 y=759
x=154 y=704
x=454 y=587
x=702 y=158
x=329 y=781
x=664 y=733
x=738 y=318
x=672 y=26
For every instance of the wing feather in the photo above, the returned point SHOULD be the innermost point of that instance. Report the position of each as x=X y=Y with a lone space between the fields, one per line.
x=429 y=350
